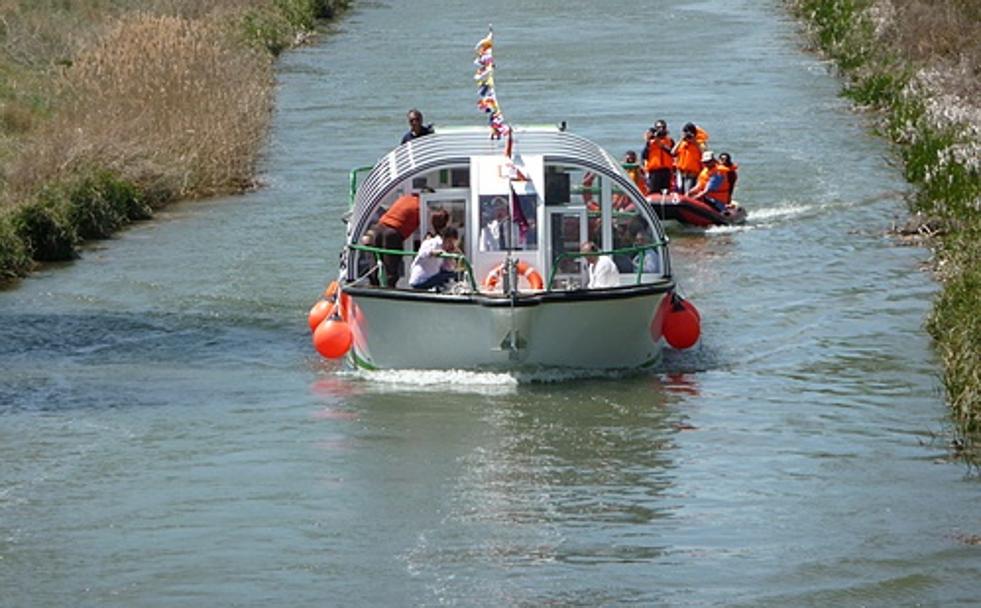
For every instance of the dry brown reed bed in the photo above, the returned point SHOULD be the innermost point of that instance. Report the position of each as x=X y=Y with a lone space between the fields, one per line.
x=165 y=102
x=110 y=107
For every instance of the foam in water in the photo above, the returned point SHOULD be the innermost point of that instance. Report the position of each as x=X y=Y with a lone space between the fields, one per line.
x=779 y=213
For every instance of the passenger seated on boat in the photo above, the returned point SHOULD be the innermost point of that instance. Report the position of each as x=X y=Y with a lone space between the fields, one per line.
x=649 y=258
x=428 y=270
x=711 y=186
x=730 y=171
x=602 y=271
x=397 y=224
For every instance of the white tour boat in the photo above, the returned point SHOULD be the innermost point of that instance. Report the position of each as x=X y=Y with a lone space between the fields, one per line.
x=519 y=296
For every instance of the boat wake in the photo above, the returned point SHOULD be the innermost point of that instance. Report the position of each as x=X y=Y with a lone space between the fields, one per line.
x=450 y=380
x=482 y=382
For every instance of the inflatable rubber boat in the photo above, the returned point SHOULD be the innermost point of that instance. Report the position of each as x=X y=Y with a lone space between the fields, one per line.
x=695 y=212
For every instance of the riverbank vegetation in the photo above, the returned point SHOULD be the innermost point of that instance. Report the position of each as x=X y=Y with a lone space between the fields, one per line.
x=917 y=63
x=109 y=109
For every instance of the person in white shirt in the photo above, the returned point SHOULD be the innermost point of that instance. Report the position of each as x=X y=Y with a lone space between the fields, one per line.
x=428 y=269
x=602 y=271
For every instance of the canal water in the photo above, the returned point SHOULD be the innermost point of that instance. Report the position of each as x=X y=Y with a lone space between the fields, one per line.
x=169 y=438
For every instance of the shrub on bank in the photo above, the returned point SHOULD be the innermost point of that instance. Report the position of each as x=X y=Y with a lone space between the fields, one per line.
x=15 y=259
x=275 y=26
x=45 y=228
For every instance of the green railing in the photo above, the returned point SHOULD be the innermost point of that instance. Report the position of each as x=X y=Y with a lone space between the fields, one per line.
x=571 y=255
x=378 y=252
x=353 y=183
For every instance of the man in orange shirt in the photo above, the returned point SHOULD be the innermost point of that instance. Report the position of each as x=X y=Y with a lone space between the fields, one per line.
x=397 y=224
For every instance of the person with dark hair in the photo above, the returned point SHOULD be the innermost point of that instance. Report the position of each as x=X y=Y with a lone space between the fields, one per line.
x=730 y=171
x=657 y=157
x=439 y=219
x=416 y=128
x=428 y=269
x=687 y=158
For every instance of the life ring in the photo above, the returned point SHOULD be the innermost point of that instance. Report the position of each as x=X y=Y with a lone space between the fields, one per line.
x=526 y=270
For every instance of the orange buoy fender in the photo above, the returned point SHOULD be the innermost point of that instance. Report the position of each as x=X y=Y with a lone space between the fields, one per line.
x=320 y=311
x=331 y=291
x=333 y=338
x=682 y=323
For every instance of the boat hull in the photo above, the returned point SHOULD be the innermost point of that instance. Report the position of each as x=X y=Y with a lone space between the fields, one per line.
x=694 y=212
x=396 y=329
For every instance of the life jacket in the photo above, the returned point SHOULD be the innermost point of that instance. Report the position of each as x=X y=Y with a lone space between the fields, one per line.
x=724 y=194
x=635 y=174
x=689 y=157
x=657 y=157
x=721 y=193
x=403 y=215
x=701 y=137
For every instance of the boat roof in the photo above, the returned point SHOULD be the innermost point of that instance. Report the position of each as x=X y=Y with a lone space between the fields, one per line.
x=449 y=146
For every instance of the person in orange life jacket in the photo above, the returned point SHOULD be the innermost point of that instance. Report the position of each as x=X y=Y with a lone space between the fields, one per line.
x=687 y=159
x=711 y=186
x=416 y=128
x=621 y=201
x=396 y=225
x=731 y=172
x=657 y=157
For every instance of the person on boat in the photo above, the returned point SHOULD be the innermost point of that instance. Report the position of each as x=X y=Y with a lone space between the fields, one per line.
x=687 y=159
x=367 y=267
x=711 y=186
x=416 y=128
x=658 y=157
x=428 y=269
x=622 y=202
x=602 y=271
x=395 y=226
x=647 y=258
x=731 y=172
x=500 y=232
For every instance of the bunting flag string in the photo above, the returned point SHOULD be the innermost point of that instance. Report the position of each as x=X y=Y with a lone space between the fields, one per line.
x=484 y=52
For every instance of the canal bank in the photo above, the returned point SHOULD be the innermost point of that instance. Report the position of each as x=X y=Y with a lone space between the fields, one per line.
x=110 y=112
x=918 y=66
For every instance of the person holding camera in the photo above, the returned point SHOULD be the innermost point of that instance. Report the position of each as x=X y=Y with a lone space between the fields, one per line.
x=687 y=159
x=657 y=157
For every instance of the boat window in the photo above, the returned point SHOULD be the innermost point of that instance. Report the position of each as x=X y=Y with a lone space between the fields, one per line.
x=500 y=230
x=630 y=229
x=568 y=233
x=557 y=186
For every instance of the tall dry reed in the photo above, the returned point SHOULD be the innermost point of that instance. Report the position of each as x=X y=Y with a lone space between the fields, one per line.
x=164 y=101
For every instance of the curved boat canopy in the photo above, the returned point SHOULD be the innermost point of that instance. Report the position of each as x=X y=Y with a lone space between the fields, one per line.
x=561 y=174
